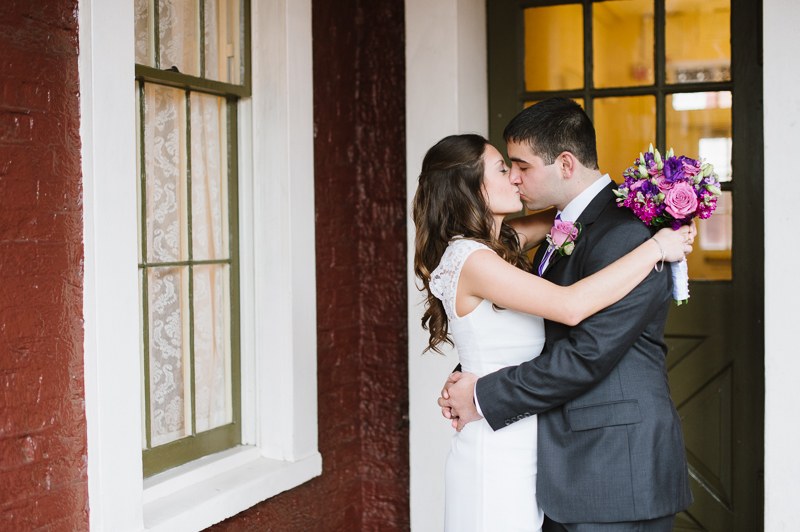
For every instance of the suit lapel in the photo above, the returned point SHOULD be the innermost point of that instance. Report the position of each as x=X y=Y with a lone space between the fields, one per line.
x=587 y=218
x=593 y=210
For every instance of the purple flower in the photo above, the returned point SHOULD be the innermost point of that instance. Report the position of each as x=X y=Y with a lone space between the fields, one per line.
x=649 y=188
x=673 y=169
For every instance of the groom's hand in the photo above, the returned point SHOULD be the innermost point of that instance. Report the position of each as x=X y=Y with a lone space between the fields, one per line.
x=457 y=400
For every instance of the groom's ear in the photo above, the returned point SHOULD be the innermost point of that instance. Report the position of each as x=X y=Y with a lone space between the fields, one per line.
x=566 y=163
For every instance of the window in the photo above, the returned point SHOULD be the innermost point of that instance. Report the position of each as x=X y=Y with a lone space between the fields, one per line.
x=187 y=91
x=645 y=71
x=268 y=136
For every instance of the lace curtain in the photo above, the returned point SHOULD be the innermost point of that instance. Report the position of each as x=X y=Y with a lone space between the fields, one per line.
x=170 y=293
x=179 y=294
x=165 y=167
x=178 y=40
x=209 y=238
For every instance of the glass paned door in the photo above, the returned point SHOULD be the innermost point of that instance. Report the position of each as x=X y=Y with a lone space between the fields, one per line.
x=682 y=74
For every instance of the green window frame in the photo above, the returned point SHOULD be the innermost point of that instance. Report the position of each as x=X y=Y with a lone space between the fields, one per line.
x=157 y=459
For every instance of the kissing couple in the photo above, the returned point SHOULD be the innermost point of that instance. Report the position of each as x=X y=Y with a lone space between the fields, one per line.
x=561 y=398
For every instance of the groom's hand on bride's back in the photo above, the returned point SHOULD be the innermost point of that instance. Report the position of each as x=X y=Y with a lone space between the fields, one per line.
x=457 y=401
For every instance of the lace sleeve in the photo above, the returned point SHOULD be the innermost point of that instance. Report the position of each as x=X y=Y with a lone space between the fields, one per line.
x=444 y=279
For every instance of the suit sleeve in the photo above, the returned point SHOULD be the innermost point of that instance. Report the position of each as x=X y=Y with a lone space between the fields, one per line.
x=589 y=352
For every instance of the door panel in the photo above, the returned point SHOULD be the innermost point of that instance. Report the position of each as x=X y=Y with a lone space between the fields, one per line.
x=700 y=365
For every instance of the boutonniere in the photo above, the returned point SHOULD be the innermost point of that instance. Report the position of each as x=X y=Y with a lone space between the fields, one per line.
x=562 y=236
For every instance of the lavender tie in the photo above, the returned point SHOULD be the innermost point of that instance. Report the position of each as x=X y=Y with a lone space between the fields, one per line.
x=547 y=255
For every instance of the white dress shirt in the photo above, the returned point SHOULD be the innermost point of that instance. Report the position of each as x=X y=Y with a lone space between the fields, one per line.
x=575 y=208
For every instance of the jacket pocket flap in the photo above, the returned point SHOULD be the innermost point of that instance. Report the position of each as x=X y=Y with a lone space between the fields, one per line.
x=605 y=415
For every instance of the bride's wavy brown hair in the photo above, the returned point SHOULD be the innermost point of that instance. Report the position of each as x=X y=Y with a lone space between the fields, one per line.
x=450 y=202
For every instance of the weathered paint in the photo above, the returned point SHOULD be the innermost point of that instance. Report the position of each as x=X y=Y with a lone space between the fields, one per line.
x=359 y=115
x=43 y=483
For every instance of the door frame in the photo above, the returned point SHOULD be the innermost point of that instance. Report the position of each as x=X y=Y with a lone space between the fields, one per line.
x=747 y=315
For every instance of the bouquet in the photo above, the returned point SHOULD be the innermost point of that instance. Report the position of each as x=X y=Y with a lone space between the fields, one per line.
x=670 y=192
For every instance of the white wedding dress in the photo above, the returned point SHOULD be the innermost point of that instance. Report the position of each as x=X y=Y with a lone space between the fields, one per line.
x=490 y=477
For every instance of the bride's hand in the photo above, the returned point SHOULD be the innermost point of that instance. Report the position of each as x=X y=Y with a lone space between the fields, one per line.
x=677 y=244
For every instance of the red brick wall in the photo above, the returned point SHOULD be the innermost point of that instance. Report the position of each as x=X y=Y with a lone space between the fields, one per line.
x=42 y=422
x=359 y=114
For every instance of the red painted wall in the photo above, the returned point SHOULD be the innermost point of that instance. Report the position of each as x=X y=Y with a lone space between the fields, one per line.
x=42 y=422
x=359 y=114
x=359 y=91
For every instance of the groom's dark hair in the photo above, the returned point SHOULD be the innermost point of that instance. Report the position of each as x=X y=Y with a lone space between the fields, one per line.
x=553 y=126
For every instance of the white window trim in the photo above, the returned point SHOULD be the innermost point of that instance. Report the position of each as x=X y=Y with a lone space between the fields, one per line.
x=277 y=281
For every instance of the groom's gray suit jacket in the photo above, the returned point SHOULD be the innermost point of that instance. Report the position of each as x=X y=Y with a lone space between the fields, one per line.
x=610 y=441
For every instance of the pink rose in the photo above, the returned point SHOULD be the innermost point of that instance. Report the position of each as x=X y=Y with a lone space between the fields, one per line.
x=681 y=201
x=663 y=184
x=561 y=230
x=690 y=167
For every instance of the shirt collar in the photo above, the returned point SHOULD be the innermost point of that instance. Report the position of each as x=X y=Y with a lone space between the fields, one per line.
x=575 y=207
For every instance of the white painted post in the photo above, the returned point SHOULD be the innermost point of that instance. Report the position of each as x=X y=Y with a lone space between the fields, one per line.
x=781 y=284
x=445 y=94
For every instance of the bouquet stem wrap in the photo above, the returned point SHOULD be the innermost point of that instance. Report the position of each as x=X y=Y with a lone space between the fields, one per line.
x=680 y=281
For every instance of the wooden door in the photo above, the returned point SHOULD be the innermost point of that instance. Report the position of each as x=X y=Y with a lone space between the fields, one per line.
x=687 y=75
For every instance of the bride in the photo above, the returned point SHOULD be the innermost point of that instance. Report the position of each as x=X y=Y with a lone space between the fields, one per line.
x=482 y=298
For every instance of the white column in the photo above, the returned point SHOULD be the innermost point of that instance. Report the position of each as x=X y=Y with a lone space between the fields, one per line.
x=782 y=285
x=111 y=290
x=445 y=94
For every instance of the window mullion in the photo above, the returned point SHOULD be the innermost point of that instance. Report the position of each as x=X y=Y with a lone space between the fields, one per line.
x=232 y=124
x=245 y=18
x=588 y=59
x=190 y=252
x=202 y=37
x=145 y=285
x=183 y=263
x=660 y=62
x=185 y=81
x=156 y=39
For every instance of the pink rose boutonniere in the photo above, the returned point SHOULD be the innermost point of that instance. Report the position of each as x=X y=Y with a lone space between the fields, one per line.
x=562 y=236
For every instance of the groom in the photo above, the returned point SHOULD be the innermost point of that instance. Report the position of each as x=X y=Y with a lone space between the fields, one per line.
x=611 y=453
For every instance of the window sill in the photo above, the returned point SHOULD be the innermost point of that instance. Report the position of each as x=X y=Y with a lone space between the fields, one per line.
x=197 y=495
